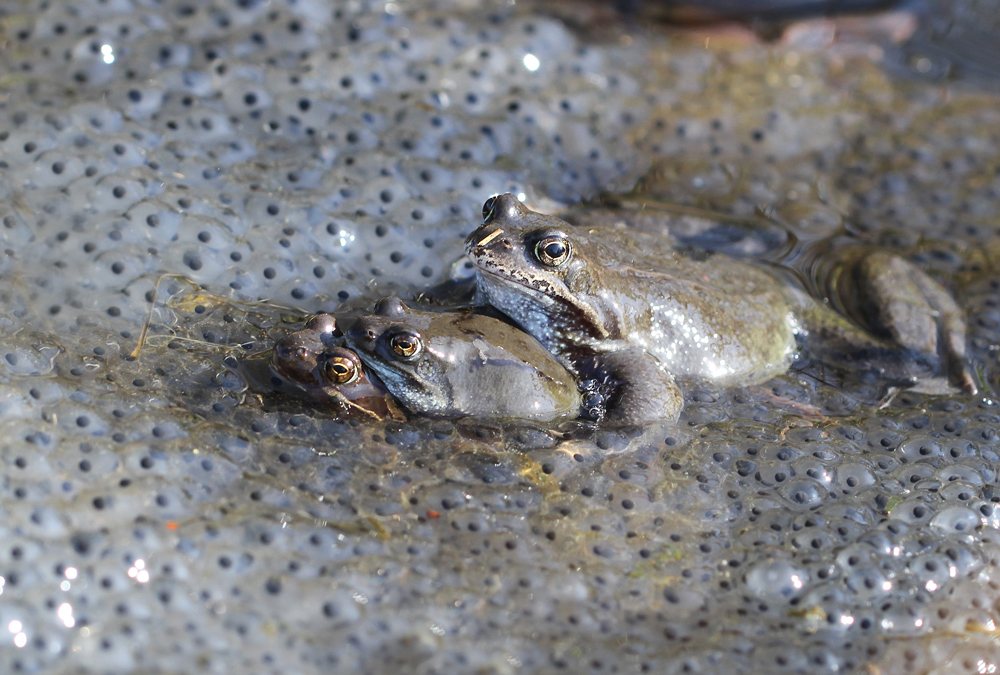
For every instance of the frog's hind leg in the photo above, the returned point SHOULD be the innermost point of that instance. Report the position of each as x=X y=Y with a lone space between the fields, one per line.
x=835 y=340
x=898 y=302
x=639 y=389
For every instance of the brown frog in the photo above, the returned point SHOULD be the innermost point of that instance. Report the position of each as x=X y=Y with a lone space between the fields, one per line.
x=319 y=369
x=626 y=304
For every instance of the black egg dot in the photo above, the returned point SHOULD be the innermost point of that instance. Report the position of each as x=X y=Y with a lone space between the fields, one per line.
x=58 y=168
x=117 y=267
x=396 y=256
x=134 y=95
x=152 y=220
x=114 y=311
x=30 y=147
x=193 y=260
x=118 y=191
x=250 y=99
x=269 y=273
x=272 y=209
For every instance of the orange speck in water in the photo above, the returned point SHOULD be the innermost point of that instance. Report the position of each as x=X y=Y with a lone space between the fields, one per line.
x=433 y=514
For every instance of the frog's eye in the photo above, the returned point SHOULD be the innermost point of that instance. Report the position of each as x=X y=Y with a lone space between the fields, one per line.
x=488 y=207
x=406 y=345
x=552 y=251
x=342 y=370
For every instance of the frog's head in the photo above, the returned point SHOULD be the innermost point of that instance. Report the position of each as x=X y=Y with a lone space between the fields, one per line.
x=535 y=268
x=392 y=343
x=308 y=359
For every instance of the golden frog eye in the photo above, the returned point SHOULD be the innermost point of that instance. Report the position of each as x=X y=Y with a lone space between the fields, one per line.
x=342 y=370
x=552 y=251
x=406 y=345
x=488 y=207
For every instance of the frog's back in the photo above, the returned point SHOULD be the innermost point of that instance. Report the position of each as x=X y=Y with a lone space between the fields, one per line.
x=704 y=316
x=499 y=371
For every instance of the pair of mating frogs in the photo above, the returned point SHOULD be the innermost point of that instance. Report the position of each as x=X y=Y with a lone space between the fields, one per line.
x=615 y=321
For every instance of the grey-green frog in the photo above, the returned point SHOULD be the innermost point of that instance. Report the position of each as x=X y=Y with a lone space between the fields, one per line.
x=627 y=305
x=451 y=365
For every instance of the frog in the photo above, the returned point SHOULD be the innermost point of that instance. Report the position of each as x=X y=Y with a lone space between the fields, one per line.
x=452 y=364
x=316 y=367
x=628 y=305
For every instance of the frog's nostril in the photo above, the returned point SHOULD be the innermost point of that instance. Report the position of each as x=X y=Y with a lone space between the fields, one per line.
x=360 y=333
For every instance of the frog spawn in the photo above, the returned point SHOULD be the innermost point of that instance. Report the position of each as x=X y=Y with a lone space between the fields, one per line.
x=185 y=519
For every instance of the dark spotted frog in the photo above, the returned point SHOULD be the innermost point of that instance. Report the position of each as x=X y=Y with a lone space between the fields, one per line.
x=625 y=304
x=316 y=367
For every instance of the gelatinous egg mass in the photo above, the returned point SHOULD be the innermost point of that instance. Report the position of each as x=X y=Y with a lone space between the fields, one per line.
x=222 y=170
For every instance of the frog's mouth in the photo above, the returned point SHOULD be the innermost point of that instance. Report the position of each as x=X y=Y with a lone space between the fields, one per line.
x=540 y=294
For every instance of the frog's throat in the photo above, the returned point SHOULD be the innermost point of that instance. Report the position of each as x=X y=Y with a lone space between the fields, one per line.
x=592 y=320
x=387 y=374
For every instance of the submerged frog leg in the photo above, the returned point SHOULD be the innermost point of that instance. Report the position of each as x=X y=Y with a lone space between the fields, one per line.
x=951 y=330
x=898 y=301
x=641 y=389
x=836 y=341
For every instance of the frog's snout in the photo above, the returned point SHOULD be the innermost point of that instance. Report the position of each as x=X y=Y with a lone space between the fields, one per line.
x=361 y=333
x=292 y=351
x=476 y=244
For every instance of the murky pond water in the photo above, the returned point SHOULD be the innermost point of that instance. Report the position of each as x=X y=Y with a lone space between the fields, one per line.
x=287 y=157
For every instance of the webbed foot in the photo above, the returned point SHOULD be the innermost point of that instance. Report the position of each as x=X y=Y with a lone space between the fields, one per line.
x=633 y=389
x=898 y=302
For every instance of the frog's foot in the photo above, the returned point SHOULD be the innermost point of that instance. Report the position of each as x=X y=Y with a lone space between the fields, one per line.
x=629 y=388
x=899 y=303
